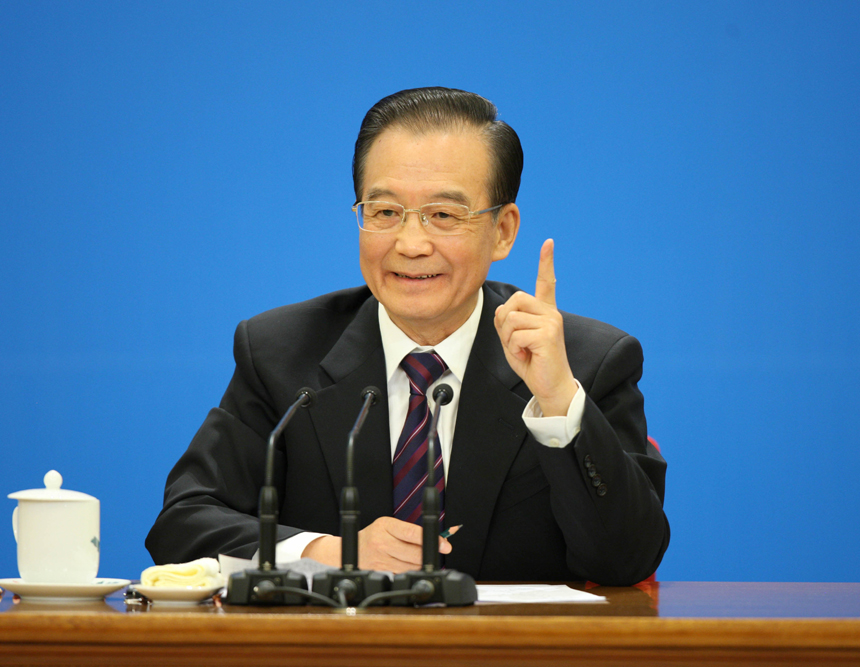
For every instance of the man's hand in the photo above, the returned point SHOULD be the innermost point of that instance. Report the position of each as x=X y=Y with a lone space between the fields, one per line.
x=532 y=335
x=388 y=544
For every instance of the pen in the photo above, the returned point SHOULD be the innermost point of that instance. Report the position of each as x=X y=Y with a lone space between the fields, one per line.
x=450 y=531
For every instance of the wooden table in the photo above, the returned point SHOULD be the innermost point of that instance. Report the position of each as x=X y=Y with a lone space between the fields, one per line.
x=670 y=623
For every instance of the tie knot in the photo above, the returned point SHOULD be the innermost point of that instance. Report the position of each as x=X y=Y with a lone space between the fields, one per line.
x=422 y=369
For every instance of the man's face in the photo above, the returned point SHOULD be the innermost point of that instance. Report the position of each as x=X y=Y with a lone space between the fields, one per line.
x=429 y=284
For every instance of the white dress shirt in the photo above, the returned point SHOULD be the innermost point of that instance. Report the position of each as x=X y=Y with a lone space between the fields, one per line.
x=455 y=350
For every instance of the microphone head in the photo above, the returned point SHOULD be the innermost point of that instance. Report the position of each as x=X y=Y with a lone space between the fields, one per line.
x=309 y=394
x=373 y=391
x=443 y=394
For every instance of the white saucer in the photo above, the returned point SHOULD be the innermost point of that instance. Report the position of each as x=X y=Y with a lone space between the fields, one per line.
x=176 y=595
x=34 y=592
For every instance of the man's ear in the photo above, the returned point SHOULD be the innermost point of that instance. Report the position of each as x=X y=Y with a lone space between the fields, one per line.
x=507 y=227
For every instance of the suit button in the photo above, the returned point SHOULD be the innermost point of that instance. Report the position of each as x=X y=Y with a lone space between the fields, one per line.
x=592 y=470
x=601 y=490
x=595 y=481
x=587 y=460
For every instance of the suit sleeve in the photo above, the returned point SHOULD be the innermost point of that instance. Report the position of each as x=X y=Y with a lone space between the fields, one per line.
x=212 y=494
x=607 y=485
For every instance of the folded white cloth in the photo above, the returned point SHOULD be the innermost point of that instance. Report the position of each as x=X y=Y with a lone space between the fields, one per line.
x=200 y=573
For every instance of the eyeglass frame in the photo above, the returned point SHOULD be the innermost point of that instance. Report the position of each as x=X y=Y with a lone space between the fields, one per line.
x=421 y=217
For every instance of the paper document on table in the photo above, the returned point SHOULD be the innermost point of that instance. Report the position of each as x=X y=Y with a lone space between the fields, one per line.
x=534 y=593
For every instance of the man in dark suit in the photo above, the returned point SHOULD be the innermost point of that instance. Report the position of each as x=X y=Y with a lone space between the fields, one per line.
x=545 y=458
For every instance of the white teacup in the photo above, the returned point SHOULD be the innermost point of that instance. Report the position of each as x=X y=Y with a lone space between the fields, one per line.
x=57 y=533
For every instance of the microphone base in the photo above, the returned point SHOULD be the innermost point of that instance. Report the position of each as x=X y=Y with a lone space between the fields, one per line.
x=249 y=587
x=452 y=588
x=366 y=582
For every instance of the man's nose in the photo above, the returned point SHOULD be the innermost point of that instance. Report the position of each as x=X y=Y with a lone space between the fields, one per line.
x=412 y=237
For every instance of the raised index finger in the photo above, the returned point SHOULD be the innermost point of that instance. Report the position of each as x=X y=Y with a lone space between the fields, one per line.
x=545 y=286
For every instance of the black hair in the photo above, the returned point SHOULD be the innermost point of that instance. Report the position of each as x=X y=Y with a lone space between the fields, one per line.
x=426 y=109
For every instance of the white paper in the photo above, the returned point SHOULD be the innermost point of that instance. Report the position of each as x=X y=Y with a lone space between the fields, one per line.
x=534 y=593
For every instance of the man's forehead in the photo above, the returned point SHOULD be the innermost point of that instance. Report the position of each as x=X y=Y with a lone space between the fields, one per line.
x=458 y=157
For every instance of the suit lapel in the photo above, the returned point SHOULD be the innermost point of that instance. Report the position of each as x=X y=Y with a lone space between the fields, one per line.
x=488 y=434
x=356 y=361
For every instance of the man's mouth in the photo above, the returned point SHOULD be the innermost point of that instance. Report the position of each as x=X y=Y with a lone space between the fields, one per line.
x=424 y=276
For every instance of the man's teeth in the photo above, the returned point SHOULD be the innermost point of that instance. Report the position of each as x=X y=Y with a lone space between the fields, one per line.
x=426 y=275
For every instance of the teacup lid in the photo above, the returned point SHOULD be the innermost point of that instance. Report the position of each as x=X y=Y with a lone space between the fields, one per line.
x=52 y=491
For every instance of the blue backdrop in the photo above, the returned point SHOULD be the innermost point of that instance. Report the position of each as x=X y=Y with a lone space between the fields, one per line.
x=697 y=163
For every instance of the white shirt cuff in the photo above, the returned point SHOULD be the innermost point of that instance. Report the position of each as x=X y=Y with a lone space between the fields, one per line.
x=290 y=549
x=555 y=431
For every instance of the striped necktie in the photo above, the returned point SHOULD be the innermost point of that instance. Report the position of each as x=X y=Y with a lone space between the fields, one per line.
x=409 y=467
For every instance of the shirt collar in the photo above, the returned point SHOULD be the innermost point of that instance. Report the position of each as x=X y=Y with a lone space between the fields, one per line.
x=455 y=349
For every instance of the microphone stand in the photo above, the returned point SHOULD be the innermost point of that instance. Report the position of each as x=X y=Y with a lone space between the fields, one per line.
x=267 y=585
x=431 y=584
x=349 y=585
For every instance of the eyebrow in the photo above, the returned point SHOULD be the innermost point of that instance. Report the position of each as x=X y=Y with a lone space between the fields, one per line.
x=449 y=195
x=378 y=192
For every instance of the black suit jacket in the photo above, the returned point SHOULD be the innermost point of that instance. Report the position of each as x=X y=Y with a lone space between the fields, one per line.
x=591 y=510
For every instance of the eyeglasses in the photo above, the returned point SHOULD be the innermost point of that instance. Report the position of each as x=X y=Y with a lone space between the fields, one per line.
x=438 y=219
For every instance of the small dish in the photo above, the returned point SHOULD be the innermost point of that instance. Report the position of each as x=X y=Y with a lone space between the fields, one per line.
x=176 y=595
x=37 y=592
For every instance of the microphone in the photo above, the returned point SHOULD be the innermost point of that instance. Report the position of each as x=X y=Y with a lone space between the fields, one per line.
x=349 y=511
x=267 y=585
x=431 y=584
x=442 y=395
x=350 y=585
x=269 y=494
